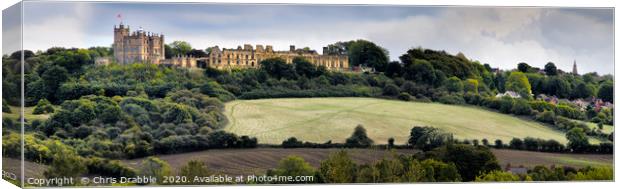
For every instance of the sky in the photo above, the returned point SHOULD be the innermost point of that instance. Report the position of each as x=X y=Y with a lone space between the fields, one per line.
x=499 y=36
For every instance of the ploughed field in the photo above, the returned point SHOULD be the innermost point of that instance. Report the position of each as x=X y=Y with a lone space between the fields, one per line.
x=322 y=119
x=259 y=160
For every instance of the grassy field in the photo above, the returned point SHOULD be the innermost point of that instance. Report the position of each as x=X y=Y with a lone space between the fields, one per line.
x=258 y=160
x=323 y=119
x=28 y=111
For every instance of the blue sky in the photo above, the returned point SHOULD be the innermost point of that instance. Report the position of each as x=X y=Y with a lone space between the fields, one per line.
x=501 y=37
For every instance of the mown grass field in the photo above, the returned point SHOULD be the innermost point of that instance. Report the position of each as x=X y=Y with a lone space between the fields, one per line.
x=323 y=119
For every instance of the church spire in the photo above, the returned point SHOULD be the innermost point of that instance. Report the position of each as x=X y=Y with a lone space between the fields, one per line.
x=575 y=67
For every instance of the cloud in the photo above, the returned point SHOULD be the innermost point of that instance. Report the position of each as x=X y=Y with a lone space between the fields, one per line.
x=501 y=37
x=63 y=27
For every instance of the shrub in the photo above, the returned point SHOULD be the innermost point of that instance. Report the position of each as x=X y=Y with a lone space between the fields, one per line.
x=43 y=107
x=521 y=107
x=404 y=96
x=391 y=90
x=545 y=117
x=451 y=99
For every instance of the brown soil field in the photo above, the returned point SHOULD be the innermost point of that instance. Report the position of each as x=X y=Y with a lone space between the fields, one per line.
x=258 y=160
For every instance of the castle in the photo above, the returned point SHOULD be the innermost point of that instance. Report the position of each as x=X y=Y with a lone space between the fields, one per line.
x=145 y=47
x=138 y=46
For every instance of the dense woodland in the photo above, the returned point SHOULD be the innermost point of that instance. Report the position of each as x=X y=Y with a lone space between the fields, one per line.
x=102 y=112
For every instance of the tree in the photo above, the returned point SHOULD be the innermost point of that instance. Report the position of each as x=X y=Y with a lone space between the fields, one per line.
x=394 y=69
x=155 y=167
x=194 y=168
x=65 y=162
x=583 y=90
x=359 y=138
x=518 y=82
x=516 y=143
x=338 y=168
x=497 y=176
x=362 y=52
x=278 y=68
x=606 y=92
x=197 y=53
x=443 y=172
x=51 y=79
x=304 y=68
x=454 y=84
x=550 y=69
x=469 y=160
x=471 y=85
x=420 y=71
x=577 y=140
x=5 y=107
x=523 y=67
x=43 y=107
x=427 y=138
x=559 y=87
x=180 y=48
x=499 y=143
x=293 y=166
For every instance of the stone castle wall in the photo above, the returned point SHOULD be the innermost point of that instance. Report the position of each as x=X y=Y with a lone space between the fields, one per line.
x=144 y=47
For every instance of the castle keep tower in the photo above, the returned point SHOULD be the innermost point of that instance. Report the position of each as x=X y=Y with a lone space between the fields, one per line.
x=139 y=46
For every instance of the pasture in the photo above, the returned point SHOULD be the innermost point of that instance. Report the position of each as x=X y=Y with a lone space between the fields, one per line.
x=323 y=119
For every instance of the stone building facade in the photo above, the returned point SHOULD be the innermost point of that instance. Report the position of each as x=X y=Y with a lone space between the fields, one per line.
x=146 y=47
x=249 y=57
x=137 y=46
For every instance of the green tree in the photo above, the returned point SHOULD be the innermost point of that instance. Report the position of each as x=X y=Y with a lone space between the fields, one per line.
x=338 y=168
x=293 y=166
x=469 y=160
x=303 y=67
x=497 y=176
x=558 y=86
x=362 y=52
x=550 y=69
x=51 y=80
x=194 y=168
x=583 y=90
x=43 y=107
x=359 y=138
x=454 y=84
x=523 y=67
x=577 y=139
x=5 y=107
x=518 y=82
x=471 y=85
x=606 y=92
x=155 y=167
x=443 y=172
x=180 y=48
x=65 y=162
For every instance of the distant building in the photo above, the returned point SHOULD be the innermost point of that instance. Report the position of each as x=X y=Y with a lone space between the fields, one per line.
x=510 y=94
x=575 y=67
x=249 y=57
x=137 y=46
x=145 y=47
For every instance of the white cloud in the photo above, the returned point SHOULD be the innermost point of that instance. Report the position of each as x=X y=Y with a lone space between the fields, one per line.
x=66 y=29
x=501 y=37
